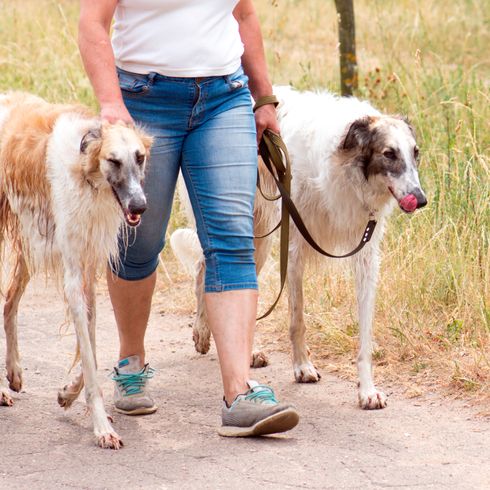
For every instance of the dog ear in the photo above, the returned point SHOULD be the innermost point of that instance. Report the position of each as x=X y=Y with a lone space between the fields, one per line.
x=93 y=134
x=359 y=134
x=409 y=124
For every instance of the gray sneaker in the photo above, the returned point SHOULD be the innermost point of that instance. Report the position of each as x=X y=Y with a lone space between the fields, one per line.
x=257 y=413
x=131 y=394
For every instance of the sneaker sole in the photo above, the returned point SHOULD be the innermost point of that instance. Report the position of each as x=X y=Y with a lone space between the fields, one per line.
x=279 y=422
x=138 y=411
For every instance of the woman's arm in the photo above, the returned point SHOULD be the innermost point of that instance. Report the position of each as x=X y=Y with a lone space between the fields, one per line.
x=254 y=64
x=98 y=57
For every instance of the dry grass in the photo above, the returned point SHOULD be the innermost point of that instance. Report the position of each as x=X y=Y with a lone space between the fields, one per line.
x=427 y=59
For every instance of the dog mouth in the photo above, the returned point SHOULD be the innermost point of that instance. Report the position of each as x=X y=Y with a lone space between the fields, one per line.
x=132 y=219
x=408 y=204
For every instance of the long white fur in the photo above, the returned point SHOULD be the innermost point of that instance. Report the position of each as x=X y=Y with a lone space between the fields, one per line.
x=335 y=201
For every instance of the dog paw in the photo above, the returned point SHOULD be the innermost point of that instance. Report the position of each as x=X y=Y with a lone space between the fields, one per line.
x=109 y=440
x=201 y=340
x=66 y=397
x=259 y=360
x=372 y=400
x=5 y=399
x=14 y=376
x=306 y=373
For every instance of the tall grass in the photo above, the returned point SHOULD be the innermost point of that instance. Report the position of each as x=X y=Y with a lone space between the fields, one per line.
x=427 y=59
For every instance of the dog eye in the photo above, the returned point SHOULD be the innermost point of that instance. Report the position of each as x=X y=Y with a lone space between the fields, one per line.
x=140 y=159
x=416 y=153
x=115 y=162
x=390 y=154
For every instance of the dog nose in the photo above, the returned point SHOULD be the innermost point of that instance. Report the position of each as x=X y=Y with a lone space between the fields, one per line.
x=421 y=199
x=137 y=206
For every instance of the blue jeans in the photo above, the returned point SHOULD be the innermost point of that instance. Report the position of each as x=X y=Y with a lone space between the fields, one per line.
x=204 y=127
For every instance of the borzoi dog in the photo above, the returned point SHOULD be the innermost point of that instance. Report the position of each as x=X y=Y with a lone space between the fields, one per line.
x=67 y=183
x=350 y=163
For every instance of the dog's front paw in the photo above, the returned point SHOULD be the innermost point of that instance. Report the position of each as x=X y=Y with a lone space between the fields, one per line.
x=109 y=440
x=372 y=400
x=14 y=376
x=259 y=360
x=306 y=373
x=201 y=340
x=5 y=399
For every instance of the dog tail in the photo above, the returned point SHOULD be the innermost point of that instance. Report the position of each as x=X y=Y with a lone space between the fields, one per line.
x=76 y=358
x=186 y=247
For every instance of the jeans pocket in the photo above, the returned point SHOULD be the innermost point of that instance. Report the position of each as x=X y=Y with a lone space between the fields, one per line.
x=237 y=80
x=133 y=83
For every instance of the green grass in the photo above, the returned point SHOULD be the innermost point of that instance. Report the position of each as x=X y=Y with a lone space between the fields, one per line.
x=427 y=59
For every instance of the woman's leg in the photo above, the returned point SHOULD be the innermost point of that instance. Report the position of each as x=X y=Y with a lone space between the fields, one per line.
x=132 y=284
x=231 y=316
x=219 y=164
x=161 y=108
x=131 y=301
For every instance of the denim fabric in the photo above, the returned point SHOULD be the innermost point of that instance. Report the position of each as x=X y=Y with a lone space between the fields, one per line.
x=204 y=127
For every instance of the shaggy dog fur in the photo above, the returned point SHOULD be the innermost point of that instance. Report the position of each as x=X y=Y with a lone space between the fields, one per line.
x=349 y=162
x=67 y=183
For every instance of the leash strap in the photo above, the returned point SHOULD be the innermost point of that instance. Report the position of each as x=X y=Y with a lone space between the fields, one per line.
x=266 y=100
x=276 y=159
x=272 y=150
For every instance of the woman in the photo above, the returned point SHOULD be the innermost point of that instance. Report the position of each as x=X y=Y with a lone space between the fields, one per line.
x=175 y=67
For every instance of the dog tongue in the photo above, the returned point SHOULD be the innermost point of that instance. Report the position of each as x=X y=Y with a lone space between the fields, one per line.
x=409 y=203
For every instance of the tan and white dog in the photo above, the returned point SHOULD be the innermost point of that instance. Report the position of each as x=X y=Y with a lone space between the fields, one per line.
x=349 y=162
x=68 y=183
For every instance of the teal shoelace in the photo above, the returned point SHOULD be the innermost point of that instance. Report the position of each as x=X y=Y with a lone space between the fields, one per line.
x=261 y=394
x=133 y=383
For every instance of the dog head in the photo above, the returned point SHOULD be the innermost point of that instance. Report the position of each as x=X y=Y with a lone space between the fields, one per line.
x=385 y=149
x=116 y=155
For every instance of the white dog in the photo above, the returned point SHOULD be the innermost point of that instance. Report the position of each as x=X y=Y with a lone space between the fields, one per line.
x=349 y=164
x=67 y=184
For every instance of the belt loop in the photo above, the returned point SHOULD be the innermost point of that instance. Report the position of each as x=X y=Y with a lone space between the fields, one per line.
x=151 y=77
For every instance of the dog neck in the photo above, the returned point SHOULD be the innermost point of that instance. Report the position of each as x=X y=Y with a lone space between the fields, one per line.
x=365 y=195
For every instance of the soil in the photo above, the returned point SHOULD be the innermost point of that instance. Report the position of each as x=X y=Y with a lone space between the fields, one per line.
x=425 y=442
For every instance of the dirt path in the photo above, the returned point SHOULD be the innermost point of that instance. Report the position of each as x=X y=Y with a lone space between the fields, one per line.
x=410 y=444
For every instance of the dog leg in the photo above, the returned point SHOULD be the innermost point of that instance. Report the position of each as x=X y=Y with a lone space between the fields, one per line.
x=262 y=250
x=366 y=267
x=89 y=291
x=201 y=333
x=106 y=436
x=14 y=293
x=70 y=392
x=304 y=370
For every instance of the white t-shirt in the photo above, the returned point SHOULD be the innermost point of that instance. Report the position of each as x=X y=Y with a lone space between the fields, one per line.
x=177 y=38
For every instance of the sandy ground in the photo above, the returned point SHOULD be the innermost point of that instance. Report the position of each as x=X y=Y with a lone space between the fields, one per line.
x=413 y=443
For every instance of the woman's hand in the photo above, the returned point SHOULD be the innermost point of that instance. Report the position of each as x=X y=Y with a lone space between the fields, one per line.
x=114 y=112
x=266 y=118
